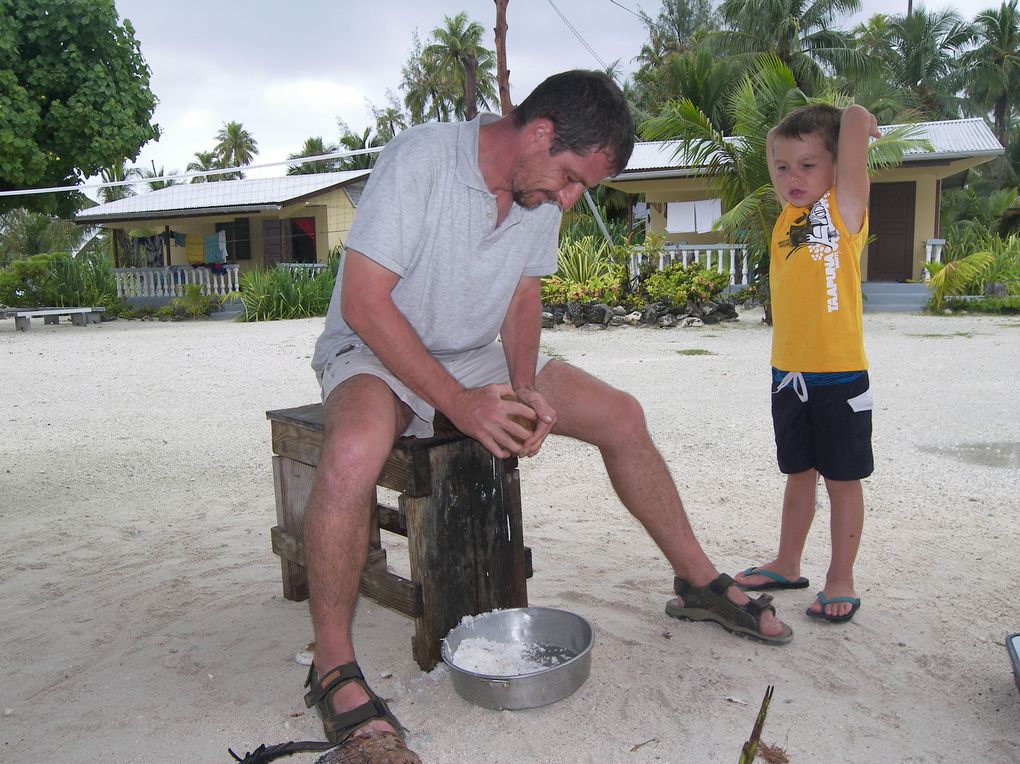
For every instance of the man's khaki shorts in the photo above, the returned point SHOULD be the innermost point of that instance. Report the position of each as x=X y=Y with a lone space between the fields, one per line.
x=472 y=368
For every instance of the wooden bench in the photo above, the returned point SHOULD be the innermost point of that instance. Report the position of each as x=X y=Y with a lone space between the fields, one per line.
x=459 y=508
x=79 y=316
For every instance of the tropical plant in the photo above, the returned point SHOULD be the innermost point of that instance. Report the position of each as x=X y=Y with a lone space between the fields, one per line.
x=588 y=269
x=957 y=277
x=194 y=303
x=204 y=162
x=800 y=33
x=993 y=65
x=428 y=95
x=351 y=141
x=74 y=97
x=156 y=179
x=314 y=147
x=235 y=146
x=119 y=174
x=677 y=283
x=275 y=294
x=927 y=49
x=459 y=57
x=59 y=280
x=24 y=233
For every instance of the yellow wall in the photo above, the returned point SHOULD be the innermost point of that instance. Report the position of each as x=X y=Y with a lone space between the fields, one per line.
x=333 y=213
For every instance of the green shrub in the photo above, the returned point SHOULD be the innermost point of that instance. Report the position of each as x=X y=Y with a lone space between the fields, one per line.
x=278 y=294
x=589 y=270
x=57 y=279
x=1000 y=306
x=677 y=283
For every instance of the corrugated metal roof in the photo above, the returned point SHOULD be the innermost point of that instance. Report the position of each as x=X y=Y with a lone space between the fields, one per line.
x=949 y=139
x=250 y=194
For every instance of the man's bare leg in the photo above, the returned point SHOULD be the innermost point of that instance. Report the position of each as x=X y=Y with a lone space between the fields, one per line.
x=362 y=419
x=613 y=421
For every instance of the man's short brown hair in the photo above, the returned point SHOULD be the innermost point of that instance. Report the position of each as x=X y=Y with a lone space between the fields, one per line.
x=818 y=119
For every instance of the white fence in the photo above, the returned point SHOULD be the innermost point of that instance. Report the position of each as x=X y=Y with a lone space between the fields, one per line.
x=169 y=281
x=723 y=258
x=932 y=253
x=303 y=269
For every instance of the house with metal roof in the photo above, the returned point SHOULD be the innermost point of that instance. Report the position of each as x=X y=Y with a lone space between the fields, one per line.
x=210 y=232
x=904 y=205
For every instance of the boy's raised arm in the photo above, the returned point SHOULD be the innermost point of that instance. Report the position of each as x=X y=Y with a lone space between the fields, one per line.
x=852 y=184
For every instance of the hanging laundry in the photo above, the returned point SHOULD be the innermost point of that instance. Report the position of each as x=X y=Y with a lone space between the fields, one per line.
x=212 y=248
x=194 y=249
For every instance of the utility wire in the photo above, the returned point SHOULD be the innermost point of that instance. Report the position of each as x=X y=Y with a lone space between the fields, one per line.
x=578 y=35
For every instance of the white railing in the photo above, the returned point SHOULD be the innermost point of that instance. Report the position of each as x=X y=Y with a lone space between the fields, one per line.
x=932 y=253
x=723 y=258
x=303 y=269
x=169 y=281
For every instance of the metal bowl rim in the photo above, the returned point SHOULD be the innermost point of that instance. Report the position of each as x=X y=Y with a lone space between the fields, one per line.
x=444 y=648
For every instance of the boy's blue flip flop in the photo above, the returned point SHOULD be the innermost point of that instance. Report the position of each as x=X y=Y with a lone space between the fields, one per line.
x=776 y=581
x=855 y=602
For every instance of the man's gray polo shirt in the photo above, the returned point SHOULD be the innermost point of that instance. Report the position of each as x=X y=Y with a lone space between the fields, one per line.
x=427 y=215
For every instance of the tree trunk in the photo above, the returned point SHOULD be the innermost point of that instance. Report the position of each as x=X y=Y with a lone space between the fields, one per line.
x=502 y=73
x=470 y=64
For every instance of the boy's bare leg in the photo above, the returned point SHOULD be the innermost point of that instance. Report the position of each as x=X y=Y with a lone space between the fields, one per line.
x=362 y=419
x=798 y=514
x=594 y=412
x=846 y=521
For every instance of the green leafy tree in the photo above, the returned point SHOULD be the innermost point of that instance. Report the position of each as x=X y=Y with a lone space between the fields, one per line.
x=74 y=97
x=993 y=66
x=675 y=28
x=156 y=179
x=351 y=141
x=205 y=161
x=235 y=146
x=428 y=94
x=314 y=147
x=800 y=33
x=24 y=233
x=927 y=50
x=457 y=53
x=389 y=120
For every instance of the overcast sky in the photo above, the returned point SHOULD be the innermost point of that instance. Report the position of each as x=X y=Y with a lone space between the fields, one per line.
x=289 y=71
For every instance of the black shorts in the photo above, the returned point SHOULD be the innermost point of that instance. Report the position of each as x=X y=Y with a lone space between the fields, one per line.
x=829 y=432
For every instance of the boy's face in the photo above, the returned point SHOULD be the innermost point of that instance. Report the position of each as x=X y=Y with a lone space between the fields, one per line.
x=804 y=169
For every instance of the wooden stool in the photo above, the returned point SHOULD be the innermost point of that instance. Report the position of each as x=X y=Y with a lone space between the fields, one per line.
x=459 y=508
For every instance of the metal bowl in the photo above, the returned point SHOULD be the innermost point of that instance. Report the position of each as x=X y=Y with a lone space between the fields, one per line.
x=562 y=644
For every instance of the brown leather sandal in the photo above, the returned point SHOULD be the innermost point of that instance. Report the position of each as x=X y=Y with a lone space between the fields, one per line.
x=710 y=603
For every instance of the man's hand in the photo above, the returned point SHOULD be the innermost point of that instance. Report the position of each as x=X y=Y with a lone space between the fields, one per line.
x=485 y=415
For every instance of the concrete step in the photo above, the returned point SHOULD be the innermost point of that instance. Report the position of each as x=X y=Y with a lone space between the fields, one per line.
x=887 y=297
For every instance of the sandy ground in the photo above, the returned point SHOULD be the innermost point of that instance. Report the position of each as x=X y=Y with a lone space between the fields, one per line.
x=142 y=618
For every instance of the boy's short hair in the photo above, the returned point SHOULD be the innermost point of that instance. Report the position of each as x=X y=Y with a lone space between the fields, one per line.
x=814 y=119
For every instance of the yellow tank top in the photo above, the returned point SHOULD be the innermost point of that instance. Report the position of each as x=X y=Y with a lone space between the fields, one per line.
x=815 y=283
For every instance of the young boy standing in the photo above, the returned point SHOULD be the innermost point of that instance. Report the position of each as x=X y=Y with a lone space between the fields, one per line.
x=821 y=401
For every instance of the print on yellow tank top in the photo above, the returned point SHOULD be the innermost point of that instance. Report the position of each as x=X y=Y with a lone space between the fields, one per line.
x=815 y=283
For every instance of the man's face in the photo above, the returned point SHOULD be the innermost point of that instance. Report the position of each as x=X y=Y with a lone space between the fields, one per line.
x=804 y=169
x=541 y=177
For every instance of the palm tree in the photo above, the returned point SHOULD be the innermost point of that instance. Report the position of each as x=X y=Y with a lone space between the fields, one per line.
x=117 y=174
x=676 y=27
x=390 y=120
x=993 y=81
x=457 y=52
x=155 y=180
x=927 y=50
x=205 y=161
x=353 y=142
x=799 y=33
x=427 y=93
x=24 y=233
x=314 y=147
x=696 y=74
x=235 y=146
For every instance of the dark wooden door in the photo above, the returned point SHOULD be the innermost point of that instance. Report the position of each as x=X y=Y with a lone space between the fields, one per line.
x=891 y=215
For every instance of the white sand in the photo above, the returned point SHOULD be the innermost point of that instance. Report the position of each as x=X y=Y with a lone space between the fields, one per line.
x=142 y=618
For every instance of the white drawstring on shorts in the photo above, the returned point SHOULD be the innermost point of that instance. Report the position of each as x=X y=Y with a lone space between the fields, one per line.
x=795 y=380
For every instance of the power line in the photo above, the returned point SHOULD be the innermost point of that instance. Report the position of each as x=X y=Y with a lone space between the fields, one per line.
x=187 y=175
x=578 y=35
